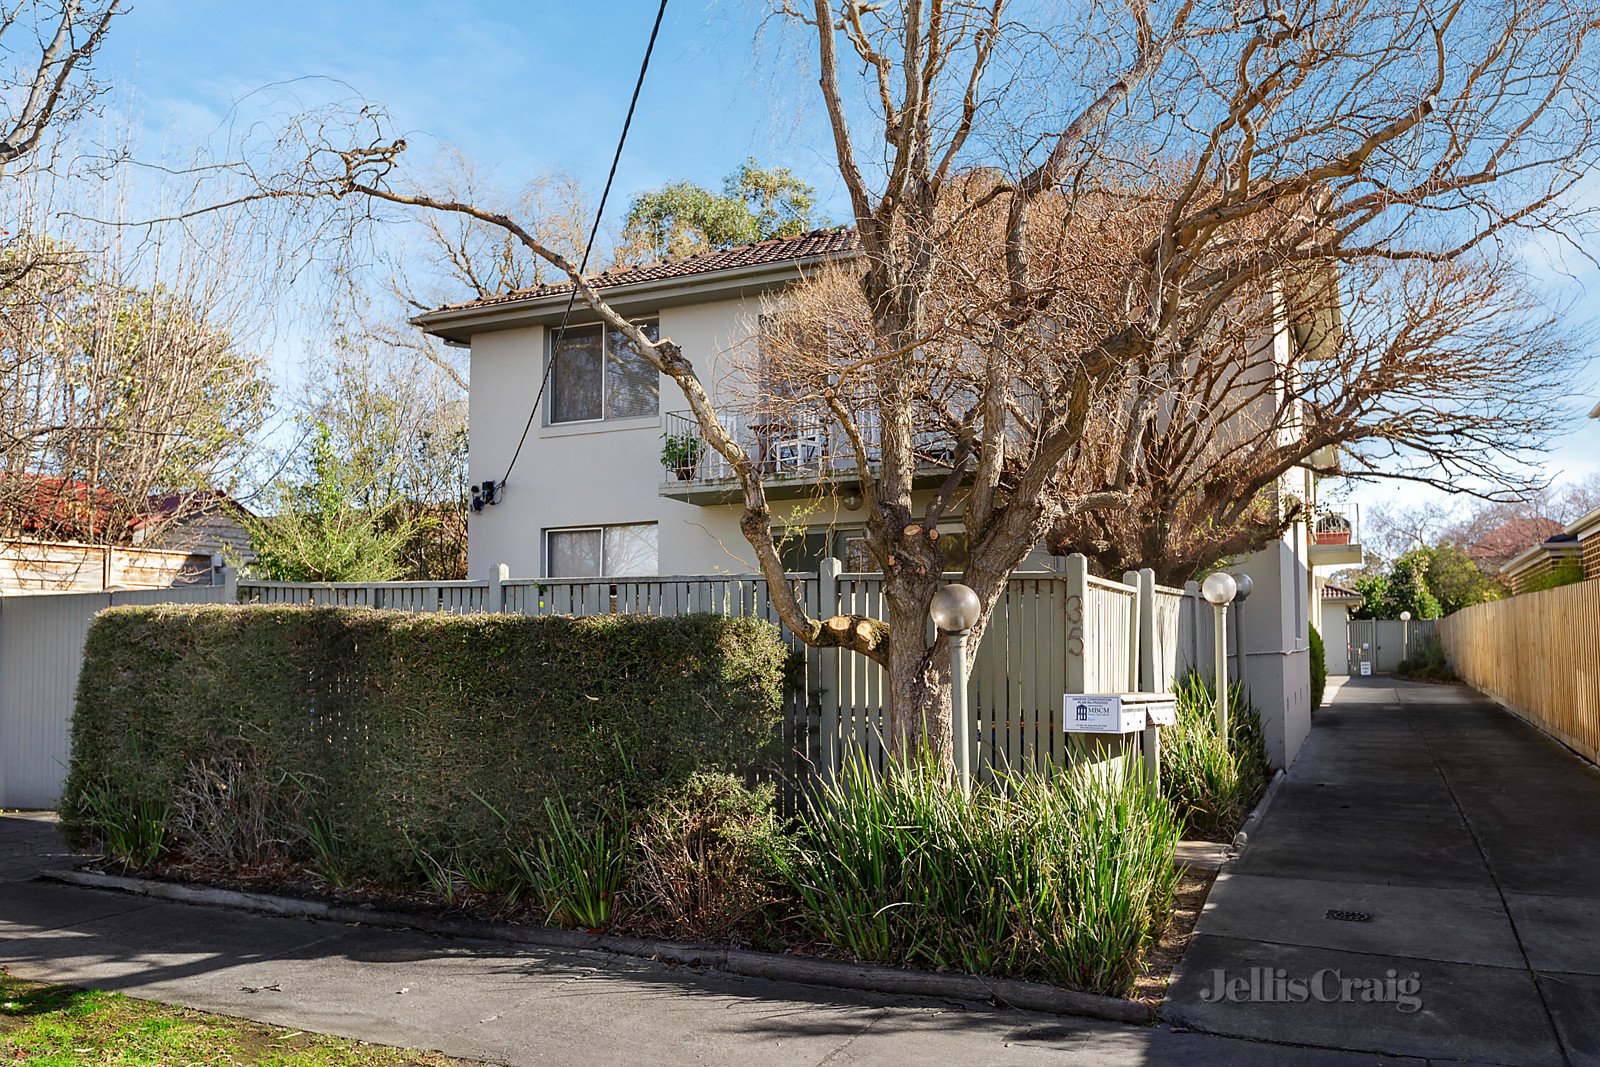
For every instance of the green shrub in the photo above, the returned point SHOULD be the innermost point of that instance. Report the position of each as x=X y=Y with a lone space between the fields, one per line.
x=1064 y=878
x=1319 y=667
x=1561 y=572
x=1427 y=663
x=703 y=864
x=1212 y=786
x=396 y=740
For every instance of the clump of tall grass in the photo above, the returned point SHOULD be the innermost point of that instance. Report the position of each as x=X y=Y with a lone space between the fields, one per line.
x=1212 y=785
x=1427 y=663
x=132 y=832
x=1063 y=878
x=575 y=872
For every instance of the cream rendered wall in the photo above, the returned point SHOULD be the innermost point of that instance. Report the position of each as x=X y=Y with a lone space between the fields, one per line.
x=1276 y=645
x=604 y=472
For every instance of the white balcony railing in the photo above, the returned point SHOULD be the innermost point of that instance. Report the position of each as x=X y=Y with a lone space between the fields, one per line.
x=799 y=445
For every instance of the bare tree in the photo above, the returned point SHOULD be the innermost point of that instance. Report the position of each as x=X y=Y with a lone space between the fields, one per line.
x=46 y=78
x=1383 y=143
x=1444 y=373
x=123 y=370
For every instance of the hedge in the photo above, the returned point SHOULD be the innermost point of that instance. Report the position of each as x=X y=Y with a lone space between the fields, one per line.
x=1319 y=667
x=389 y=736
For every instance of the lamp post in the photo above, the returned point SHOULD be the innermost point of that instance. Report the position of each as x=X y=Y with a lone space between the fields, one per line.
x=1218 y=589
x=1244 y=584
x=1405 y=635
x=954 y=611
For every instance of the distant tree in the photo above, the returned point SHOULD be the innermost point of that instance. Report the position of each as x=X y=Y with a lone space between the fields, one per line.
x=682 y=218
x=121 y=389
x=316 y=529
x=400 y=425
x=1404 y=588
x=1454 y=579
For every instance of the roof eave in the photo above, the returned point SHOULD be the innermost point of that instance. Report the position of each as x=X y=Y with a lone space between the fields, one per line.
x=1542 y=551
x=459 y=323
x=1584 y=525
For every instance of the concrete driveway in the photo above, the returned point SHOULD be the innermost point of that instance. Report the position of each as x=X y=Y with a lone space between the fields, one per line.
x=1423 y=834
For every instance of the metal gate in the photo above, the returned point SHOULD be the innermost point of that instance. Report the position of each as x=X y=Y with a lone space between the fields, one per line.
x=1378 y=645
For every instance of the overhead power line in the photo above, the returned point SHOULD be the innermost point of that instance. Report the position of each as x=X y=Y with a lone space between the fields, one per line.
x=491 y=491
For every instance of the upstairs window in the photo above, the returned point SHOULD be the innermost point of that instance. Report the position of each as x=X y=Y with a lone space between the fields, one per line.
x=597 y=374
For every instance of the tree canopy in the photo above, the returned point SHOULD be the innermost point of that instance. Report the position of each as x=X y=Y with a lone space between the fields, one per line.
x=682 y=218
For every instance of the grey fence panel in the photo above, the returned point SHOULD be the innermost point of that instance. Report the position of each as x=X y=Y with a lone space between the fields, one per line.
x=1172 y=658
x=1383 y=643
x=41 y=651
x=457 y=598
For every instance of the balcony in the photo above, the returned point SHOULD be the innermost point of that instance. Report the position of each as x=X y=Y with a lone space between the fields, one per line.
x=1335 y=539
x=797 y=452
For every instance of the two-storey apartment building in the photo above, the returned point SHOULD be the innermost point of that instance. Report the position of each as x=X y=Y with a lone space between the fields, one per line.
x=605 y=474
x=610 y=476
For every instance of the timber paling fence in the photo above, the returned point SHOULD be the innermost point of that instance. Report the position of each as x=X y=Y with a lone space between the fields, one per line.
x=1052 y=633
x=1539 y=655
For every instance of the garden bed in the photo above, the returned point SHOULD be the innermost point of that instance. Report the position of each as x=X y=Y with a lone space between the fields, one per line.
x=365 y=761
x=797 y=965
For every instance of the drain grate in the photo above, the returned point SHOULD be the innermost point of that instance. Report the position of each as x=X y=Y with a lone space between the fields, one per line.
x=1350 y=916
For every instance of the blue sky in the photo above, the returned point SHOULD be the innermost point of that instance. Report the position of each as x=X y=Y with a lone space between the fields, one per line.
x=519 y=87
x=528 y=87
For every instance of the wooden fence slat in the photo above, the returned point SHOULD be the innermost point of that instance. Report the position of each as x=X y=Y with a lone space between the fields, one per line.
x=1539 y=654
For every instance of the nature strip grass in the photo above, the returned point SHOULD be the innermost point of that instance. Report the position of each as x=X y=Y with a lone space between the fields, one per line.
x=50 y=1025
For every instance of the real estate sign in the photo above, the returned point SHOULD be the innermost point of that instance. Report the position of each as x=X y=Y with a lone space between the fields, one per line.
x=1100 y=713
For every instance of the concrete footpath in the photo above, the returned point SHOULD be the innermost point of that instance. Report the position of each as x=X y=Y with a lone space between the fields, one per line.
x=1423 y=832
x=1471 y=841
x=507 y=1004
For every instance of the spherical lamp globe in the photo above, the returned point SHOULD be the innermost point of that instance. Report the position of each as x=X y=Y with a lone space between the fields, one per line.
x=955 y=608
x=1219 y=588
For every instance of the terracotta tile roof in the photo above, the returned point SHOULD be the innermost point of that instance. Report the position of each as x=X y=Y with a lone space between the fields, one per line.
x=772 y=250
x=1330 y=591
x=1511 y=539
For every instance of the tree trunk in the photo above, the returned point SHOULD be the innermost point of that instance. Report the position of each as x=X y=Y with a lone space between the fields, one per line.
x=918 y=711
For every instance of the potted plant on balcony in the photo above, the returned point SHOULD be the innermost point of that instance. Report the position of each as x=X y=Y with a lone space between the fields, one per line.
x=680 y=453
x=1332 y=529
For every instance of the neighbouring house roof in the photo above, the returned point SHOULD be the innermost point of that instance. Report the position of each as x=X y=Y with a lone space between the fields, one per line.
x=1558 y=546
x=45 y=505
x=1335 y=592
x=776 y=254
x=74 y=510
x=1510 y=539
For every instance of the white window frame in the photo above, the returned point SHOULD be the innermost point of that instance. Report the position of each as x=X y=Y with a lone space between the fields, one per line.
x=605 y=399
x=599 y=528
